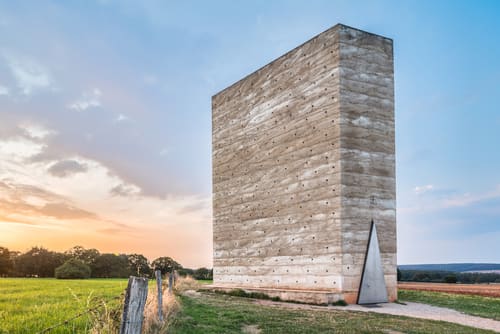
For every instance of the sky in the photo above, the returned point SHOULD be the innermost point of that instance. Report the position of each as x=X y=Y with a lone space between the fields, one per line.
x=105 y=118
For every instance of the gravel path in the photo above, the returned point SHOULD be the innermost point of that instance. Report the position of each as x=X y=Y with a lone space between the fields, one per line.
x=409 y=309
x=424 y=311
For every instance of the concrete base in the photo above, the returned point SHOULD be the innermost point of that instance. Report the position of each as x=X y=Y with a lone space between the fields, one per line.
x=317 y=297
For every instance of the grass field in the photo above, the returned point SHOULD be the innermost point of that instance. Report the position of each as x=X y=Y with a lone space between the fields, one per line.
x=487 y=307
x=215 y=313
x=29 y=305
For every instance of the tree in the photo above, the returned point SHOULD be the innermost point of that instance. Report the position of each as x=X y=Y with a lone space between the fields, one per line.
x=165 y=264
x=87 y=256
x=6 y=263
x=39 y=262
x=450 y=279
x=203 y=273
x=73 y=268
x=138 y=265
x=399 y=275
x=421 y=277
x=110 y=265
x=185 y=272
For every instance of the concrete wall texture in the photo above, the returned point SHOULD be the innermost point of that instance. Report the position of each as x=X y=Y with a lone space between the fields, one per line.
x=303 y=161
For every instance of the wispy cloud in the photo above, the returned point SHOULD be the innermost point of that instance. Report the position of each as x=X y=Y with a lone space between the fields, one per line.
x=125 y=190
x=469 y=199
x=121 y=118
x=87 y=100
x=27 y=200
x=63 y=210
x=430 y=198
x=36 y=131
x=423 y=189
x=201 y=205
x=20 y=149
x=30 y=76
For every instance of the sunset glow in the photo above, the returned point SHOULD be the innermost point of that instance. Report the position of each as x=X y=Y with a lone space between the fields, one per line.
x=59 y=203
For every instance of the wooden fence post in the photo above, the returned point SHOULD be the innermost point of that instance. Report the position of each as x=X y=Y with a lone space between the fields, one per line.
x=170 y=282
x=133 y=308
x=160 y=294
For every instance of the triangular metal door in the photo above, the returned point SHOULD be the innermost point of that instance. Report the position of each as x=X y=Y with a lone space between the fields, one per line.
x=372 y=289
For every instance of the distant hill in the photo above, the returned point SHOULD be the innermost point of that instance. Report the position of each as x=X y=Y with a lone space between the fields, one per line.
x=455 y=267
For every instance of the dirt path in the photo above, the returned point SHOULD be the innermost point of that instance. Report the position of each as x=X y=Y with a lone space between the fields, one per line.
x=410 y=309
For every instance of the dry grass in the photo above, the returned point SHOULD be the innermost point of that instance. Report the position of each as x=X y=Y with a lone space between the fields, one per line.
x=186 y=283
x=106 y=320
x=170 y=306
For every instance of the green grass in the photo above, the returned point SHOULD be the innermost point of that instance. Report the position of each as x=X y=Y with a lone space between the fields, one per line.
x=217 y=313
x=486 y=307
x=29 y=305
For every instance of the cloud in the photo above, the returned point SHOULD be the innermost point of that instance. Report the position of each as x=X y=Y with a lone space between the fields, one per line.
x=20 y=148
x=23 y=200
x=65 y=211
x=121 y=118
x=29 y=75
x=423 y=189
x=202 y=205
x=35 y=131
x=65 y=168
x=87 y=100
x=431 y=199
x=8 y=220
x=110 y=230
x=469 y=199
x=4 y=90
x=445 y=225
x=19 y=191
x=124 y=190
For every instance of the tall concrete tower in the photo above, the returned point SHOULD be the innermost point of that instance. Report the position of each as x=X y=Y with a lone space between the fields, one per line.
x=303 y=163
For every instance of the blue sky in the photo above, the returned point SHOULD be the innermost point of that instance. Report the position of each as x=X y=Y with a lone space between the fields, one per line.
x=105 y=120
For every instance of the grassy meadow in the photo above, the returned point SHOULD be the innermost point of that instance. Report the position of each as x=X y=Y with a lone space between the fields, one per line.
x=486 y=307
x=29 y=305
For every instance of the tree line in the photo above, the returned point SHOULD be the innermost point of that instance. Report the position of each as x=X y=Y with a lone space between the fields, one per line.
x=435 y=276
x=80 y=262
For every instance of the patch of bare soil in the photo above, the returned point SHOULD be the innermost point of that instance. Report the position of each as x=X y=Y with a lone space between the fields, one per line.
x=251 y=329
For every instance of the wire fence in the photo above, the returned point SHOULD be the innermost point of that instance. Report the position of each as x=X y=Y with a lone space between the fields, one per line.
x=105 y=319
x=87 y=311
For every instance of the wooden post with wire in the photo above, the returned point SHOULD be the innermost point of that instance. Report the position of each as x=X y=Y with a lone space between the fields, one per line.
x=160 y=294
x=133 y=308
x=170 y=282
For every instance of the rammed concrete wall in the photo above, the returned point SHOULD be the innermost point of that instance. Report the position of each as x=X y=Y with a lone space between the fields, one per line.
x=303 y=160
